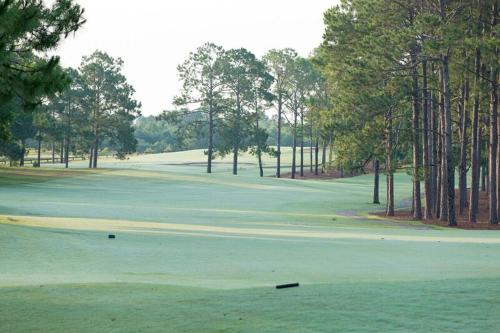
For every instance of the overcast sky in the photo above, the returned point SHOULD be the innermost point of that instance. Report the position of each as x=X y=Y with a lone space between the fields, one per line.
x=154 y=36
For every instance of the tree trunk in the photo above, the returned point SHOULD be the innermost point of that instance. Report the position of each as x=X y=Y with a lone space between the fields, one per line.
x=39 y=151
x=464 y=141
x=443 y=215
x=493 y=158
x=210 y=138
x=433 y=143
x=23 y=153
x=235 y=160
x=475 y=147
x=53 y=153
x=61 y=152
x=294 y=148
x=449 y=143
x=376 y=181
x=95 y=153
x=302 y=143
x=311 y=149
x=389 y=166
x=316 y=157
x=484 y=177
x=323 y=158
x=280 y=115
x=91 y=152
x=417 y=164
x=427 y=146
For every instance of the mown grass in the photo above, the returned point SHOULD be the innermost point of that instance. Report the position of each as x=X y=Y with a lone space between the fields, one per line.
x=202 y=253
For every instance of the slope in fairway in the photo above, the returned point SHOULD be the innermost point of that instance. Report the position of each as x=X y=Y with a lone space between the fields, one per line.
x=198 y=252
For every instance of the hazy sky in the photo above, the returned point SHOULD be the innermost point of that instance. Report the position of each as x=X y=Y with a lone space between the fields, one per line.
x=154 y=36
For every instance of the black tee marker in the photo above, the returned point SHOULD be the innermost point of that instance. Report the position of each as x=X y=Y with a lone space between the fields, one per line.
x=289 y=285
x=111 y=236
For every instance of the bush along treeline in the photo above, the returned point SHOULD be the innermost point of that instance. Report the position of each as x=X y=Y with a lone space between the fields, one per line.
x=229 y=93
x=415 y=83
x=68 y=112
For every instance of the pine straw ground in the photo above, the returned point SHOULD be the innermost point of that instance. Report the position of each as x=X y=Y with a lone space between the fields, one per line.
x=462 y=220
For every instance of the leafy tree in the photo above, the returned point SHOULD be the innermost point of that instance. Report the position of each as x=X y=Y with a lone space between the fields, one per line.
x=280 y=65
x=202 y=86
x=110 y=98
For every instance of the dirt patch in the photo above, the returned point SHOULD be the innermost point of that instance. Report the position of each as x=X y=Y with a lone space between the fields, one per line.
x=462 y=220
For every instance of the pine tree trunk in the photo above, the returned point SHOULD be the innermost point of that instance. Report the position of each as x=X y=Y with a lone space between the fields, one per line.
x=449 y=143
x=493 y=158
x=95 y=152
x=53 y=153
x=443 y=215
x=323 y=158
x=484 y=177
x=61 y=152
x=91 y=152
x=280 y=115
x=235 y=160
x=302 y=143
x=294 y=148
x=464 y=141
x=376 y=182
x=417 y=164
x=311 y=166
x=316 y=157
x=389 y=166
x=39 y=150
x=210 y=137
x=433 y=143
x=427 y=145
x=475 y=147
x=23 y=153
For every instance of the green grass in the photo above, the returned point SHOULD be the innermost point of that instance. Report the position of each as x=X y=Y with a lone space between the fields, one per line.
x=202 y=253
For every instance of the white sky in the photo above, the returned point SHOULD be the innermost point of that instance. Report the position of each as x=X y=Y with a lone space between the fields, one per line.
x=154 y=36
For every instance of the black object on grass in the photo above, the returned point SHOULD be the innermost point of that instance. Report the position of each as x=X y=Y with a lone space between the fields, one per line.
x=289 y=285
x=111 y=236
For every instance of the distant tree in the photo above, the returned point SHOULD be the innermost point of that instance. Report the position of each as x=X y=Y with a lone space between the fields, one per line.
x=280 y=64
x=110 y=98
x=240 y=70
x=202 y=87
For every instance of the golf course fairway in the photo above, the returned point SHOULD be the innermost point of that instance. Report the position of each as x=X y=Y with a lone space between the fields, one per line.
x=203 y=253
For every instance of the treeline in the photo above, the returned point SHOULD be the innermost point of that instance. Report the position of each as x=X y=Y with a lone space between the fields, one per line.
x=415 y=83
x=65 y=111
x=160 y=136
x=233 y=89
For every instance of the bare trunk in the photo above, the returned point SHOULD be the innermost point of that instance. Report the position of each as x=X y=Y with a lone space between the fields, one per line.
x=294 y=148
x=475 y=149
x=280 y=115
x=389 y=166
x=427 y=146
x=433 y=143
x=39 y=150
x=493 y=158
x=449 y=143
x=417 y=164
x=235 y=160
x=311 y=148
x=23 y=153
x=210 y=138
x=302 y=143
x=464 y=141
x=316 y=157
x=376 y=181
